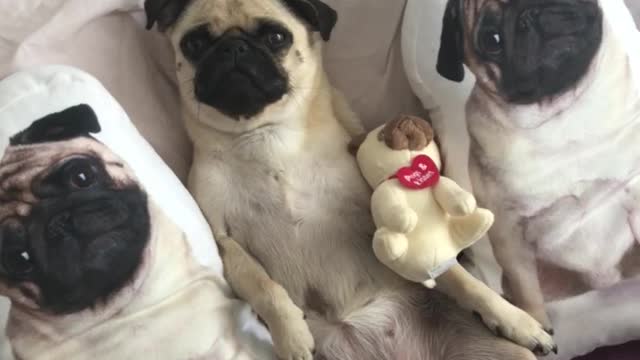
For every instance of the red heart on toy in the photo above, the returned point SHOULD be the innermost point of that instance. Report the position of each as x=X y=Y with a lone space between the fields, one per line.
x=422 y=174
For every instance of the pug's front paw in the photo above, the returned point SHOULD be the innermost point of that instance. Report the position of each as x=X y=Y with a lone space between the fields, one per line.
x=291 y=336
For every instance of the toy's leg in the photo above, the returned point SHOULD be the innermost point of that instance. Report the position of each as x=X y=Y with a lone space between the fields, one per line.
x=468 y=229
x=499 y=315
x=388 y=245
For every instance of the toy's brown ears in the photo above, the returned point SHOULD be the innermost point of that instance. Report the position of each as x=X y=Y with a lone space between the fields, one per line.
x=408 y=133
x=355 y=143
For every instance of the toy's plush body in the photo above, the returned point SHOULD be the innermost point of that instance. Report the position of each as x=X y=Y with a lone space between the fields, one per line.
x=423 y=220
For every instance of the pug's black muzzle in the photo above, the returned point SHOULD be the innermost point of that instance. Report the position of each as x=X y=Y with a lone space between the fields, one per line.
x=77 y=248
x=548 y=46
x=239 y=77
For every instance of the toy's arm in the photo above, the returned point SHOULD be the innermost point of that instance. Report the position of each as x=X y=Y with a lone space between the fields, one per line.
x=454 y=199
x=391 y=210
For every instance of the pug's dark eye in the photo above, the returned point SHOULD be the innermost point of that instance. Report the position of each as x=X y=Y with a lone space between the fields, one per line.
x=18 y=262
x=82 y=175
x=277 y=39
x=196 y=42
x=491 y=42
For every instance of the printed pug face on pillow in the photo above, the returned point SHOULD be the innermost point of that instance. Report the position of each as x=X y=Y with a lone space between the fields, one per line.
x=74 y=223
x=94 y=269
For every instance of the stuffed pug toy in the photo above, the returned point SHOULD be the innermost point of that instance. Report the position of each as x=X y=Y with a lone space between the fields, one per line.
x=423 y=219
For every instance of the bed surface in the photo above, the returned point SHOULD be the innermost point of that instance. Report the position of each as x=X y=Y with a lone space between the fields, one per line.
x=106 y=38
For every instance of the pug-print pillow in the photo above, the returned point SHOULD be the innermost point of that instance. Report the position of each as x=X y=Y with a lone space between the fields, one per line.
x=536 y=105
x=103 y=253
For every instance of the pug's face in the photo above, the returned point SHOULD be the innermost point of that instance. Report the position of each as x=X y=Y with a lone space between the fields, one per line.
x=242 y=61
x=524 y=51
x=73 y=221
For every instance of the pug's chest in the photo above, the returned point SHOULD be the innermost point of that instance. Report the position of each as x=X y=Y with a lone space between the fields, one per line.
x=527 y=169
x=302 y=219
x=301 y=194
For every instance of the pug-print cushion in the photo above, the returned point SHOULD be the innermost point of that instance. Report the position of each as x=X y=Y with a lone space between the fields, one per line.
x=421 y=39
x=31 y=104
x=421 y=31
x=33 y=94
x=445 y=100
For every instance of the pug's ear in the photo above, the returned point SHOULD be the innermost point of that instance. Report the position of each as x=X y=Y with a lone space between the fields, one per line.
x=164 y=12
x=320 y=16
x=73 y=122
x=451 y=55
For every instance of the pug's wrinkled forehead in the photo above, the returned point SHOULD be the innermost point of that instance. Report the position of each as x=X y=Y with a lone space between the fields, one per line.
x=222 y=15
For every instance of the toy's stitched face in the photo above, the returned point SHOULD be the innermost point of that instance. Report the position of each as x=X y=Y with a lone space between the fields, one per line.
x=393 y=146
x=73 y=221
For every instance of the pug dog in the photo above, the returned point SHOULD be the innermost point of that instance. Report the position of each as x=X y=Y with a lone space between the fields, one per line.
x=93 y=268
x=554 y=122
x=287 y=203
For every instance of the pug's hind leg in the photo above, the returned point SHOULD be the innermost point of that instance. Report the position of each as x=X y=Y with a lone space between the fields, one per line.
x=500 y=316
x=286 y=322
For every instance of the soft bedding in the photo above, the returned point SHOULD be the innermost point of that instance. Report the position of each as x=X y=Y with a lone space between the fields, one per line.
x=106 y=39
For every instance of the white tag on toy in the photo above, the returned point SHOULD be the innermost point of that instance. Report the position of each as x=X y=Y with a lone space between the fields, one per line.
x=439 y=270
